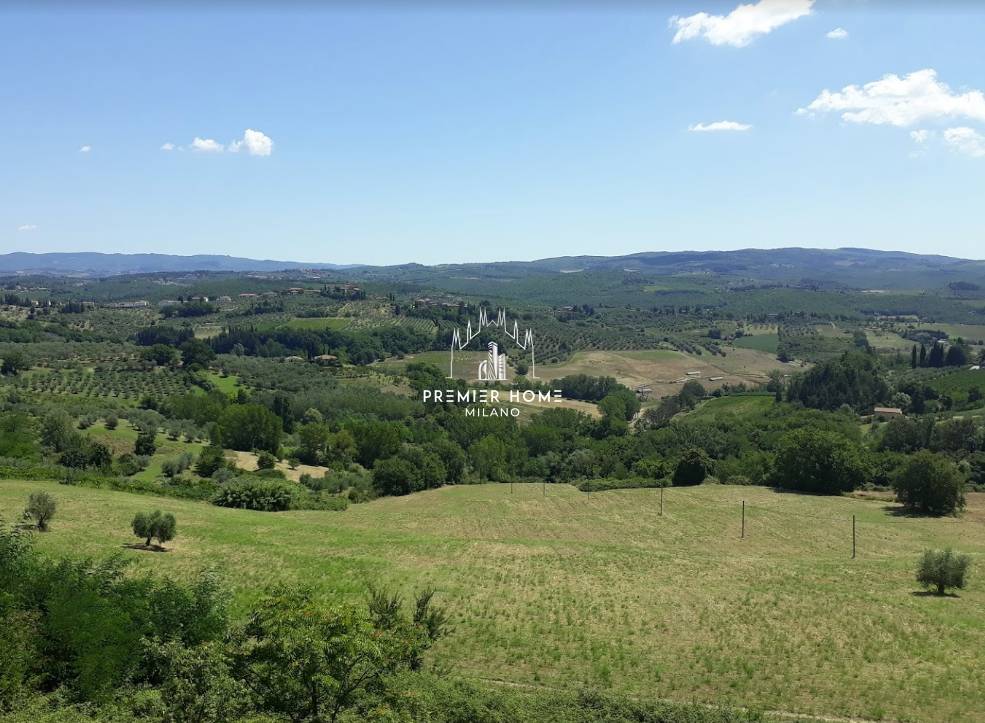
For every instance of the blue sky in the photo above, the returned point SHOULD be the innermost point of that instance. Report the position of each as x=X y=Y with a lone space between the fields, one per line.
x=399 y=132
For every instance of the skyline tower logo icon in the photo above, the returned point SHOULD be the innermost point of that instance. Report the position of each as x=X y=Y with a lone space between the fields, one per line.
x=494 y=367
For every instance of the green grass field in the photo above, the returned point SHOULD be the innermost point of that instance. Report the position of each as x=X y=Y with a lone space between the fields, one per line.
x=958 y=383
x=887 y=340
x=734 y=405
x=760 y=342
x=466 y=362
x=968 y=332
x=567 y=589
x=228 y=384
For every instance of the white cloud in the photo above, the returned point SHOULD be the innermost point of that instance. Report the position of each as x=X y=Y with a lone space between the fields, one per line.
x=836 y=34
x=966 y=140
x=897 y=101
x=255 y=142
x=28 y=227
x=85 y=149
x=741 y=26
x=920 y=136
x=718 y=126
x=206 y=145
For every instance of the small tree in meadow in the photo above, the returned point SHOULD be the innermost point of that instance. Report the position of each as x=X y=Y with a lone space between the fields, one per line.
x=266 y=460
x=40 y=508
x=154 y=525
x=942 y=569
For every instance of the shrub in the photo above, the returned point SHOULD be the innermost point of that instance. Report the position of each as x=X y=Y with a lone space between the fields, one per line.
x=112 y=421
x=256 y=494
x=394 y=476
x=40 y=508
x=176 y=465
x=942 y=569
x=820 y=462
x=154 y=525
x=210 y=460
x=629 y=483
x=331 y=657
x=692 y=467
x=128 y=464
x=930 y=484
x=145 y=444
x=266 y=460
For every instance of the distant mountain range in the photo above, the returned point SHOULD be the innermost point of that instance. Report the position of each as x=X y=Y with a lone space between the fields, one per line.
x=855 y=267
x=98 y=264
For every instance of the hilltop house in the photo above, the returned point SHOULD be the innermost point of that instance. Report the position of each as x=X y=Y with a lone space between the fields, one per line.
x=884 y=413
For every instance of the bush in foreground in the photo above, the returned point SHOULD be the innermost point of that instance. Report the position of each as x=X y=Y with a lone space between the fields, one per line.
x=119 y=646
x=941 y=569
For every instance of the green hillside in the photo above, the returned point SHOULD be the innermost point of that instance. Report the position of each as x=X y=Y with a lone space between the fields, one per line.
x=567 y=589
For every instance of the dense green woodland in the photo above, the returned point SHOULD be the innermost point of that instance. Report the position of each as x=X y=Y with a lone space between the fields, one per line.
x=310 y=381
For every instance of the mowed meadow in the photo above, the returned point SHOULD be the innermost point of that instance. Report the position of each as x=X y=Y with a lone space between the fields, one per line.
x=567 y=589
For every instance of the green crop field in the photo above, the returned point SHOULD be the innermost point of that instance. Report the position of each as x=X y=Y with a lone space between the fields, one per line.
x=319 y=323
x=760 y=342
x=567 y=589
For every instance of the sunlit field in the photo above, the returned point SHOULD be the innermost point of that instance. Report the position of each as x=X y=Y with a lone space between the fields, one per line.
x=553 y=587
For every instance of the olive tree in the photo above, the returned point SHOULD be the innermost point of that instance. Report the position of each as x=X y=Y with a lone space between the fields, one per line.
x=40 y=508
x=154 y=525
x=942 y=569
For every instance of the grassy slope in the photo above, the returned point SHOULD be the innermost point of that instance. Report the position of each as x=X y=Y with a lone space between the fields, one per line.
x=735 y=405
x=568 y=589
x=122 y=439
x=957 y=383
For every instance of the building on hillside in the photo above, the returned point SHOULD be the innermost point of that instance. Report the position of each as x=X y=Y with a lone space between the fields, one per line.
x=127 y=305
x=885 y=413
x=328 y=360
